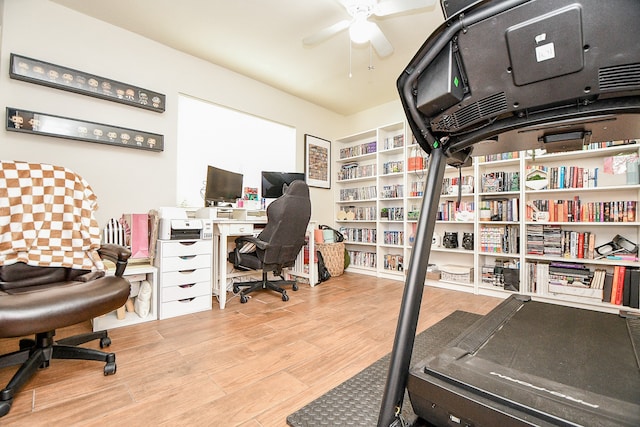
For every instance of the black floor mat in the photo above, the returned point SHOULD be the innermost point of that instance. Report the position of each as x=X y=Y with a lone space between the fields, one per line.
x=356 y=402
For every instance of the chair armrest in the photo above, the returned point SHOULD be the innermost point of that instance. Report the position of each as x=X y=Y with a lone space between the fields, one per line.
x=117 y=254
x=260 y=244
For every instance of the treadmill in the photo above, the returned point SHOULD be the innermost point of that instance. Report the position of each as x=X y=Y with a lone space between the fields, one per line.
x=515 y=75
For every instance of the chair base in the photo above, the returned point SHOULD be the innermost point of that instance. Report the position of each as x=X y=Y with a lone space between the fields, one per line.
x=37 y=353
x=273 y=285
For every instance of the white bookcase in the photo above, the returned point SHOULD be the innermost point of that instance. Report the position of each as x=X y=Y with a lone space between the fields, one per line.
x=372 y=176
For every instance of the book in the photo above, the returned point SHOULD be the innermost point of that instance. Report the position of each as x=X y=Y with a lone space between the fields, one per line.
x=620 y=286
x=634 y=288
x=626 y=290
x=608 y=287
x=614 y=284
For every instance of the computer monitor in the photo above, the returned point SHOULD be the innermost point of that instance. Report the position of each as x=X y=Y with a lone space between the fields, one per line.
x=223 y=186
x=273 y=182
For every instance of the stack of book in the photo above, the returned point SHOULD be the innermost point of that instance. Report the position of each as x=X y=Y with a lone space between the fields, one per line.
x=573 y=279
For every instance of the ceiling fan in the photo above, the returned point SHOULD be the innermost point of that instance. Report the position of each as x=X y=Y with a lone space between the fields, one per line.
x=361 y=29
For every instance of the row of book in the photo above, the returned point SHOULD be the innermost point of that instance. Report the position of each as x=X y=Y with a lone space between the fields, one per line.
x=358 y=150
x=590 y=146
x=394 y=166
x=619 y=287
x=499 y=156
x=363 y=259
x=362 y=193
x=559 y=177
x=392 y=191
x=360 y=213
x=552 y=240
x=450 y=185
x=393 y=262
x=576 y=210
x=496 y=182
x=393 y=142
x=447 y=210
x=416 y=189
x=360 y=235
x=597 y=145
x=393 y=237
x=504 y=239
x=393 y=213
x=353 y=171
x=502 y=209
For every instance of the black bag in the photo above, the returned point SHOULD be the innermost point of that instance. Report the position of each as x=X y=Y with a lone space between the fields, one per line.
x=323 y=272
x=337 y=236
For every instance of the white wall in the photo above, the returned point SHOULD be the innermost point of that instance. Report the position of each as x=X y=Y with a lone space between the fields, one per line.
x=128 y=180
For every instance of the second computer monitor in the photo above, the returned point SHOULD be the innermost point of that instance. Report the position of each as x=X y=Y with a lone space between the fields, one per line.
x=273 y=182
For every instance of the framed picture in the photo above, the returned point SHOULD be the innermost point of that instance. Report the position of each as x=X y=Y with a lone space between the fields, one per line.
x=59 y=77
x=317 y=161
x=63 y=127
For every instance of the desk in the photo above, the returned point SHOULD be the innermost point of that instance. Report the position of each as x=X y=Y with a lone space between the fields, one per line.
x=223 y=229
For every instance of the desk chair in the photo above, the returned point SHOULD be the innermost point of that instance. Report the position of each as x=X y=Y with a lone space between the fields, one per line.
x=51 y=270
x=279 y=243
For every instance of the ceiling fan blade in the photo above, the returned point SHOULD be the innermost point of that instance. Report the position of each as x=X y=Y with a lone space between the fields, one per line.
x=326 y=33
x=380 y=42
x=391 y=7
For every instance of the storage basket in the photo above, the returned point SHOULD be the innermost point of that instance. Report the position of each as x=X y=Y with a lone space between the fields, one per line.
x=333 y=254
x=456 y=273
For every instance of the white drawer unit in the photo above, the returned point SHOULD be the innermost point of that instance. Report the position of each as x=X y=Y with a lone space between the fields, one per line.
x=184 y=276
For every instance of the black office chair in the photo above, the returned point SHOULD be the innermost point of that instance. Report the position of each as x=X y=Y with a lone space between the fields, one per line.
x=51 y=272
x=278 y=245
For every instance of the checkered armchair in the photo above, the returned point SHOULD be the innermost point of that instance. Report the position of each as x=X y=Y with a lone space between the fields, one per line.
x=51 y=270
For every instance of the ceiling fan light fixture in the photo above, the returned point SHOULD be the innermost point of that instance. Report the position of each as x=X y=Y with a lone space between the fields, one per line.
x=361 y=31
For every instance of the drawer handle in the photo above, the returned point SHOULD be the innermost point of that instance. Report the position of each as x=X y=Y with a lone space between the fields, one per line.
x=187 y=243
x=187 y=271
x=188 y=285
x=186 y=299
x=185 y=257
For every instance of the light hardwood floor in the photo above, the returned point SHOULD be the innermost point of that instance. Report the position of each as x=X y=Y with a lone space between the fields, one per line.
x=249 y=365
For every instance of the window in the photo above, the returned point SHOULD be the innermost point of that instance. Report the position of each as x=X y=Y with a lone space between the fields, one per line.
x=209 y=134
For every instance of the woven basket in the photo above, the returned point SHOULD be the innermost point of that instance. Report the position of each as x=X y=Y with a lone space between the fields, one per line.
x=333 y=254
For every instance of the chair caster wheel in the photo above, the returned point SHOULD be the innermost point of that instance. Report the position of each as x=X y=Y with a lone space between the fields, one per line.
x=105 y=342
x=236 y=289
x=294 y=287
x=285 y=297
x=243 y=299
x=5 y=407
x=110 y=368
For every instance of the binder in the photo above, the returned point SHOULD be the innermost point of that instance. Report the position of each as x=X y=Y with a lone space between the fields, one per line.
x=634 y=289
x=608 y=285
x=626 y=295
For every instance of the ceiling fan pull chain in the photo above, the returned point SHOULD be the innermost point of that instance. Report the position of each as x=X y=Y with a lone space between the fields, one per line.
x=371 y=67
x=350 y=75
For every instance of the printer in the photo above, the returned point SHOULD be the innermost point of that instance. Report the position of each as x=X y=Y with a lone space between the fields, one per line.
x=174 y=225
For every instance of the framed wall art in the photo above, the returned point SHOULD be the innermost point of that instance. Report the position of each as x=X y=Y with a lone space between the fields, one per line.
x=317 y=161
x=59 y=77
x=24 y=121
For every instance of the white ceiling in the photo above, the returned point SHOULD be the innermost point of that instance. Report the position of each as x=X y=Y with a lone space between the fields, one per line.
x=262 y=39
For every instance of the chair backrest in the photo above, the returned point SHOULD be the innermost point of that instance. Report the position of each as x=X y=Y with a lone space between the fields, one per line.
x=288 y=217
x=47 y=217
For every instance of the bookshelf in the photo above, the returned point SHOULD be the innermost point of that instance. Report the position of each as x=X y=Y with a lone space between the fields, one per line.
x=379 y=186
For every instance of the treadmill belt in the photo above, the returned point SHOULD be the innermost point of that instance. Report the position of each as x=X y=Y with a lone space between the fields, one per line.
x=556 y=364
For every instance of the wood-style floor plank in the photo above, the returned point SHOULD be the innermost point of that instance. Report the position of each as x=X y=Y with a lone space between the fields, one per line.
x=250 y=365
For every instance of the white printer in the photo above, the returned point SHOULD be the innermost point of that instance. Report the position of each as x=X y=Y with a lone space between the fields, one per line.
x=174 y=225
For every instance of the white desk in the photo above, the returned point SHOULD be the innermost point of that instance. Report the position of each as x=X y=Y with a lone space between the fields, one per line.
x=223 y=229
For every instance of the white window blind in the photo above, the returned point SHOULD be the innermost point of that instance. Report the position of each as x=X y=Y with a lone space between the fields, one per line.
x=210 y=134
